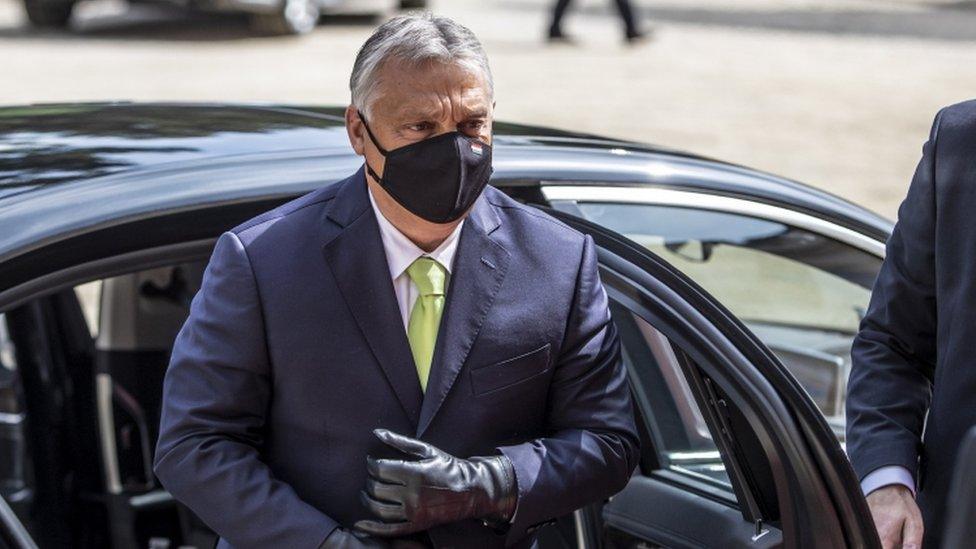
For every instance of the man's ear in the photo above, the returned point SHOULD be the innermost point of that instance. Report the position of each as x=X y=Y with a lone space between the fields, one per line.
x=354 y=127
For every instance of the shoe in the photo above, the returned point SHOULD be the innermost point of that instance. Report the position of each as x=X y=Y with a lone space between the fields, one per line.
x=637 y=37
x=556 y=36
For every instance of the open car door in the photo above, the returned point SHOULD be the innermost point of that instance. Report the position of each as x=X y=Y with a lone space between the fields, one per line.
x=735 y=453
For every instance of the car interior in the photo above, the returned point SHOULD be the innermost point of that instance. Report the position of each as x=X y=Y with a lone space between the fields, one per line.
x=117 y=335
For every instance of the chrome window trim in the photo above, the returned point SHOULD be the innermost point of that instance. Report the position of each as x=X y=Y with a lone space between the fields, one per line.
x=7 y=418
x=706 y=201
x=106 y=430
x=727 y=486
x=19 y=535
x=578 y=529
x=705 y=455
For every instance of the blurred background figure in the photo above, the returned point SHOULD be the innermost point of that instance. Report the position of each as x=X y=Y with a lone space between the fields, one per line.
x=632 y=32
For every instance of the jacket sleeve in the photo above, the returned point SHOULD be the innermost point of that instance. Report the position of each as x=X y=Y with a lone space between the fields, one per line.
x=216 y=395
x=894 y=353
x=592 y=447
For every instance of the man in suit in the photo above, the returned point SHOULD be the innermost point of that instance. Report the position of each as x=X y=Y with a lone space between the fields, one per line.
x=406 y=354
x=913 y=355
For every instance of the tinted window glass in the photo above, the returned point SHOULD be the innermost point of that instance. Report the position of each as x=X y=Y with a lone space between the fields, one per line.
x=681 y=438
x=802 y=293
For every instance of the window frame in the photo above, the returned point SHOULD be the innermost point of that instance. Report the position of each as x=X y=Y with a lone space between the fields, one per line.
x=565 y=197
x=568 y=197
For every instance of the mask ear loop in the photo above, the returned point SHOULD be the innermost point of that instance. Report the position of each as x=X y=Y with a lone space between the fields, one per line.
x=372 y=137
x=376 y=144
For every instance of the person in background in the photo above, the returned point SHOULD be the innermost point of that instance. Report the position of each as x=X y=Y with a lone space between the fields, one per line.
x=632 y=32
x=914 y=353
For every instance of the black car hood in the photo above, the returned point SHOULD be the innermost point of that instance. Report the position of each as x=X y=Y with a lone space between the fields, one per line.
x=66 y=169
x=52 y=143
x=48 y=144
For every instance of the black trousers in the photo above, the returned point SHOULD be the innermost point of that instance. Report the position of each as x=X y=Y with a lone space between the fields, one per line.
x=623 y=7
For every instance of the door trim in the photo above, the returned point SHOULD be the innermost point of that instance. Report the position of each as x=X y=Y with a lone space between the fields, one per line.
x=146 y=258
x=705 y=201
x=13 y=529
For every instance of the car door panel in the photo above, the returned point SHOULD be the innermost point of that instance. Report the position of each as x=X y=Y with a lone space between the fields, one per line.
x=657 y=513
x=789 y=474
x=685 y=436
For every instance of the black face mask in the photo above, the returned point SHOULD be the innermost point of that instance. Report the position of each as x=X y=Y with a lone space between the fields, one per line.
x=436 y=179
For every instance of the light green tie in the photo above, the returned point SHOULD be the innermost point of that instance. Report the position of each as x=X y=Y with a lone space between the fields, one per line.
x=429 y=276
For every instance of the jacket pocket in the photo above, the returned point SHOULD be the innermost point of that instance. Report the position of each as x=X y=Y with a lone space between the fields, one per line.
x=511 y=371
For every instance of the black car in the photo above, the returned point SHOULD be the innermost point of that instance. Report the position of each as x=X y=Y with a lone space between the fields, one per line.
x=736 y=293
x=265 y=16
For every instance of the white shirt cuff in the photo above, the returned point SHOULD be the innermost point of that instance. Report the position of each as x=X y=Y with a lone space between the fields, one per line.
x=886 y=476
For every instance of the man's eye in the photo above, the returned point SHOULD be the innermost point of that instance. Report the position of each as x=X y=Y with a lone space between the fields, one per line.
x=476 y=125
x=419 y=126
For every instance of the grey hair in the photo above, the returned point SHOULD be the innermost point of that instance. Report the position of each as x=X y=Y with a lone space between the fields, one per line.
x=416 y=40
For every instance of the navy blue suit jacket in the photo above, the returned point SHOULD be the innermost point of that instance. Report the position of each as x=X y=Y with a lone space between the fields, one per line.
x=916 y=346
x=294 y=351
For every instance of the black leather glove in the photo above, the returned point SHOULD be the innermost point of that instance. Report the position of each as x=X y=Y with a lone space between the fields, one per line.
x=438 y=488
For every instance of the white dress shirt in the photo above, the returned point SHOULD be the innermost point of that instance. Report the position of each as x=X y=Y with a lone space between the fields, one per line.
x=401 y=252
x=886 y=476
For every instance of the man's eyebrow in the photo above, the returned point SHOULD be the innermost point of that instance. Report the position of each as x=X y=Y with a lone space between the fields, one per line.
x=413 y=114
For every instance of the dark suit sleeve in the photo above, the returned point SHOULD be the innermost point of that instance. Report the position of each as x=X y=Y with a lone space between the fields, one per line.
x=215 y=400
x=894 y=353
x=592 y=446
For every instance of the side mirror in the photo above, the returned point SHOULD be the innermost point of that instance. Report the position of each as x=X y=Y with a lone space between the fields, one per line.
x=961 y=513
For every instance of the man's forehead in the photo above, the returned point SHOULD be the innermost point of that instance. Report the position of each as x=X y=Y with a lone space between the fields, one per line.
x=469 y=106
x=421 y=91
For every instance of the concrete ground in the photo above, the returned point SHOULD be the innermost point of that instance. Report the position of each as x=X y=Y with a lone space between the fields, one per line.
x=836 y=93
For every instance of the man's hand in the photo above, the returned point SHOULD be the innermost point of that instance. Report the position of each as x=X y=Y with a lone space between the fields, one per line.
x=896 y=516
x=438 y=488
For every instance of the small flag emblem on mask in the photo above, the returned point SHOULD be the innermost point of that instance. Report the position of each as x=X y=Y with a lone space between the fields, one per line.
x=476 y=148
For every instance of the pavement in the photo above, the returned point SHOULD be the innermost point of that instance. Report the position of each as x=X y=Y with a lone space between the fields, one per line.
x=839 y=94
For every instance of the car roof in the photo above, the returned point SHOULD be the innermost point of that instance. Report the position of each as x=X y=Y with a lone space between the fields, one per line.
x=66 y=166
x=45 y=144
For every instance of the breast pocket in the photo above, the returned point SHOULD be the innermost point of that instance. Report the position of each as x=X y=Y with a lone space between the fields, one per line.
x=494 y=377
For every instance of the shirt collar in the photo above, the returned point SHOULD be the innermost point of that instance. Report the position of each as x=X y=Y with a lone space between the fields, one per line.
x=401 y=251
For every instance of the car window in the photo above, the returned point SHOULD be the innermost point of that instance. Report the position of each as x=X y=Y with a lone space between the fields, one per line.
x=681 y=440
x=116 y=389
x=800 y=292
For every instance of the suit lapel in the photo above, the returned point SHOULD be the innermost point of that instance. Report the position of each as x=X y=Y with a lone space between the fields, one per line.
x=358 y=264
x=479 y=269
